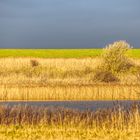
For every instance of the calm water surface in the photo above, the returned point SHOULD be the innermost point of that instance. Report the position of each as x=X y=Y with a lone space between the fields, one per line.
x=81 y=105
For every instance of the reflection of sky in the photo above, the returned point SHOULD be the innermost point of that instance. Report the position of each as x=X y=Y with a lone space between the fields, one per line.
x=68 y=23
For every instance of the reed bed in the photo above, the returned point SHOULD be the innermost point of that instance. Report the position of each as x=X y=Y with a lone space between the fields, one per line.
x=31 y=122
x=72 y=92
x=62 y=79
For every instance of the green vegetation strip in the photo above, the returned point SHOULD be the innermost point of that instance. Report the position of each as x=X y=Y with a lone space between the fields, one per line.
x=58 y=53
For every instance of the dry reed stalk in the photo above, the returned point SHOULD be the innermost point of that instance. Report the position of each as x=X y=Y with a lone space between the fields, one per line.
x=61 y=79
x=30 y=122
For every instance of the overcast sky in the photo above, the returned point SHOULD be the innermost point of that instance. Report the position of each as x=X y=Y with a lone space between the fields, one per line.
x=68 y=23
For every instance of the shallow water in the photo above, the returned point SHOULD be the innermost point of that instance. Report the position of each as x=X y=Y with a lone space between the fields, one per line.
x=80 y=105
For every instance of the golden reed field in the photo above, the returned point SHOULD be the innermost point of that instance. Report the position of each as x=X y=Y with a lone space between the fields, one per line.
x=42 y=123
x=63 y=79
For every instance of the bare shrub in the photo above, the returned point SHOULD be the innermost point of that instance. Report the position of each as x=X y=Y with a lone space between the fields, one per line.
x=105 y=76
x=114 y=57
x=34 y=63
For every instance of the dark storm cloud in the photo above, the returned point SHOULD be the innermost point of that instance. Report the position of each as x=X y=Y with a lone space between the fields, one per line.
x=68 y=23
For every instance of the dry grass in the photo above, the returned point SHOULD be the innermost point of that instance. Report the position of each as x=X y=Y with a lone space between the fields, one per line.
x=28 y=122
x=62 y=79
x=74 y=92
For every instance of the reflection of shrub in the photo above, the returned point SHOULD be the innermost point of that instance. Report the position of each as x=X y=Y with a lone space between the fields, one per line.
x=104 y=76
x=114 y=57
x=34 y=63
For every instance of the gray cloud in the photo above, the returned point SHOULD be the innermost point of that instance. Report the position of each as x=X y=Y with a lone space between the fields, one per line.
x=68 y=23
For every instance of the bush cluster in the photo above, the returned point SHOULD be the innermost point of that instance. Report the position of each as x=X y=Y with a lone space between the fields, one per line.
x=115 y=61
x=105 y=76
x=34 y=63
